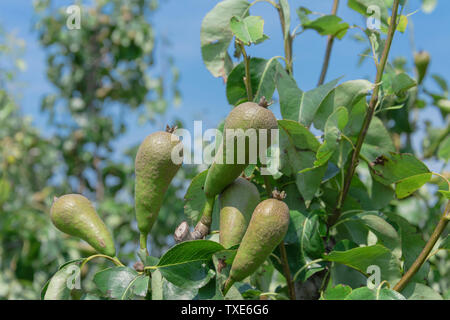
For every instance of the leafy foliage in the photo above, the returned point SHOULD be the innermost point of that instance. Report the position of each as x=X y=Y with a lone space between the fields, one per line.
x=383 y=212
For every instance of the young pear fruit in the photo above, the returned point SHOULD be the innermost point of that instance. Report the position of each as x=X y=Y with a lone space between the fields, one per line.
x=75 y=215
x=237 y=203
x=154 y=169
x=267 y=228
x=421 y=61
x=247 y=115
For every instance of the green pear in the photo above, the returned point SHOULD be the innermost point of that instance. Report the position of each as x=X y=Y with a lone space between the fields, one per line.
x=154 y=169
x=74 y=214
x=237 y=203
x=421 y=61
x=267 y=228
x=248 y=115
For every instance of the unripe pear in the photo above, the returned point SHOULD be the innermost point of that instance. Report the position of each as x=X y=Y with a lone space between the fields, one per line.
x=267 y=228
x=154 y=169
x=421 y=61
x=237 y=203
x=247 y=115
x=75 y=215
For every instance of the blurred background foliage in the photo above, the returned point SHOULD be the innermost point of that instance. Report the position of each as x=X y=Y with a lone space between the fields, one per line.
x=100 y=72
x=104 y=71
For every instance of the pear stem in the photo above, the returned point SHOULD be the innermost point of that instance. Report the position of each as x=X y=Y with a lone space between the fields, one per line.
x=115 y=260
x=143 y=241
x=228 y=284
x=202 y=227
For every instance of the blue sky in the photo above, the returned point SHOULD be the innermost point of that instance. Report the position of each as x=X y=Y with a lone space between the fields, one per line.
x=203 y=95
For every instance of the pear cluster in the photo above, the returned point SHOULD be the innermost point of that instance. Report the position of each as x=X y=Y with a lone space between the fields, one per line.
x=255 y=227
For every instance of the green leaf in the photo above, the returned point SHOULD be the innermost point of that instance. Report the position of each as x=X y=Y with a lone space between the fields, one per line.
x=300 y=137
x=296 y=104
x=121 y=283
x=408 y=185
x=418 y=291
x=328 y=25
x=195 y=199
x=186 y=264
x=303 y=243
x=62 y=282
x=362 y=7
x=165 y=290
x=394 y=167
x=388 y=294
x=378 y=141
x=323 y=155
x=362 y=257
x=262 y=76
x=248 y=30
x=146 y=259
x=304 y=230
x=222 y=263
x=302 y=13
x=380 y=195
x=140 y=285
x=365 y=293
x=338 y=292
x=297 y=148
x=346 y=94
x=385 y=232
x=444 y=149
x=412 y=244
x=445 y=193
x=402 y=23
x=216 y=35
x=335 y=124
x=401 y=83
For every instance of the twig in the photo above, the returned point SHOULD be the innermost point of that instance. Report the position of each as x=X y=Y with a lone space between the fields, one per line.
x=426 y=250
x=286 y=271
x=247 y=79
x=330 y=41
x=288 y=39
x=369 y=115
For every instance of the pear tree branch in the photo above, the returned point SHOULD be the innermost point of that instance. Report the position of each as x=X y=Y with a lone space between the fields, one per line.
x=330 y=41
x=369 y=115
